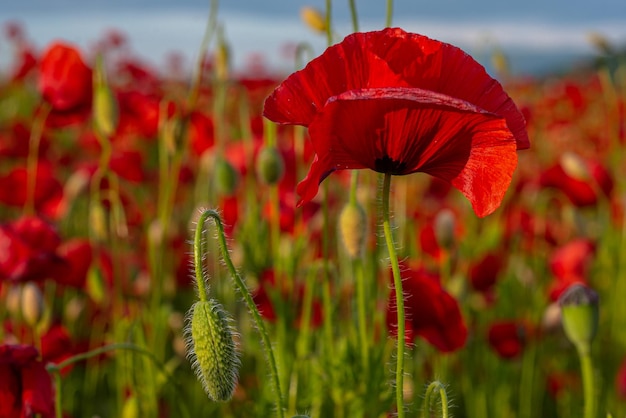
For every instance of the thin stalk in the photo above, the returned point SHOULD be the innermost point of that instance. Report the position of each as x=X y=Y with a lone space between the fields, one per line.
x=389 y=13
x=353 y=14
x=397 y=281
x=586 y=367
x=198 y=259
x=434 y=389
x=33 y=155
x=329 y=30
x=243 y=289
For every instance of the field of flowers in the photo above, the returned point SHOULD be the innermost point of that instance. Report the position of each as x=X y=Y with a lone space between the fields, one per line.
x=233 y=244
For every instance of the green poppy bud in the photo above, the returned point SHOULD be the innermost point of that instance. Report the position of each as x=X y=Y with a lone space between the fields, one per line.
x=226 y=177
x=105 y=111
x=579 y=315
x=270 y=166
x=212 y=350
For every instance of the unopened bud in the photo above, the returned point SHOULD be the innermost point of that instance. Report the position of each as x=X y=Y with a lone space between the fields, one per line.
x=226 y=177
x=212 y=350
x=270 y=166
x=105 y=113
x=98 y=222
x=353 y=228
x=32 y=304
x=313 y=18
x=445 y=224
x=222 y=58
x=579 y=313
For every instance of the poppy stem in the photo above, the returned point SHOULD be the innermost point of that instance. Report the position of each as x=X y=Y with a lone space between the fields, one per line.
x=397 y=282
x=389 y=13
x=254 y=311
x=355 y=18
x=435 y=388
x=329 y=30
x=586 y=366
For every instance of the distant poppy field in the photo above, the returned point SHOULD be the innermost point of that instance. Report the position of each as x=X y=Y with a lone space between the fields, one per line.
x=389 y=230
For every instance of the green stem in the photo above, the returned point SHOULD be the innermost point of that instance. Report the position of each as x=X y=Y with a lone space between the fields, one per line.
x=389 y=13
x=362 y=312
x=586 y=367
x=435 y=388
x=355 y=19
x=397 y=281
x=243 y=289
x=198 y=258
x=329 y=30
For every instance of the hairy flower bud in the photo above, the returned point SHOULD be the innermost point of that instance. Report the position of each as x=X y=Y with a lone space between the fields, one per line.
x=353 y=228
x=212 y=350
x=270 y=166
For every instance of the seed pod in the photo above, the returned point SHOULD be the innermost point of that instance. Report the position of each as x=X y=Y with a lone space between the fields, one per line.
x=212 y=350
x=270 y=166
x=445 y=224
x=353 y=228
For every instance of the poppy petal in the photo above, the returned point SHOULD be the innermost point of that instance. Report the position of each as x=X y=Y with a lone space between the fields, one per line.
x=341 y=67
x=407 y=130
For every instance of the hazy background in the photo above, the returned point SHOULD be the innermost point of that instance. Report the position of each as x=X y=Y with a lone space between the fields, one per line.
x=537 y=35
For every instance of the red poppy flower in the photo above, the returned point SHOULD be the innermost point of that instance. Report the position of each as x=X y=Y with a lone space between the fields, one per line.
x=78 y=255
x=507 y=338
x=28 y=250
x=583 y=185
x=431 y=312
x=483 y=274
x=25 y=385
x=65 y=80
x=48 y=189
x=401 y=103
x=569 y=265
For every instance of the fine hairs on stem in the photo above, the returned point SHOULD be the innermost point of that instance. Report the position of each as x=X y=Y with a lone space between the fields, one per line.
x=247 y=297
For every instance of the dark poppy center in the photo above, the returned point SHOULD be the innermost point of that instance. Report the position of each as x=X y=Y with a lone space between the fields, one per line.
x=389 y=165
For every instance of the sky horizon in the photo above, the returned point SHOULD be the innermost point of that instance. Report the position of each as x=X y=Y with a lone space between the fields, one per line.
x=535 y=34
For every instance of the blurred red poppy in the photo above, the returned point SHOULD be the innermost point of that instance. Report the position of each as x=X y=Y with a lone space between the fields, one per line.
x=78 y=255
x=48 y=189
x=25 y=385
x=64 y=80
x=401 y=103
x=583 y=185
x=507 y=338
x=620 y=381
x=28 y=249
x=569 y=264
x=483 y=273
x=431 y=312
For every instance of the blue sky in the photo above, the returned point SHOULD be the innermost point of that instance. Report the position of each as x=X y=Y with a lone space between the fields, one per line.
x=535 y=33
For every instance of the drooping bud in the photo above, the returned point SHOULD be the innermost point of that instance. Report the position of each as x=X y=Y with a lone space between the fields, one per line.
x=105 y=111
x=225 y=178
x=270 y=166
x=445 y=224
x=353 y=228
x=211 y=348
x=579 y=314
x=313 y=18
x=222 y=57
